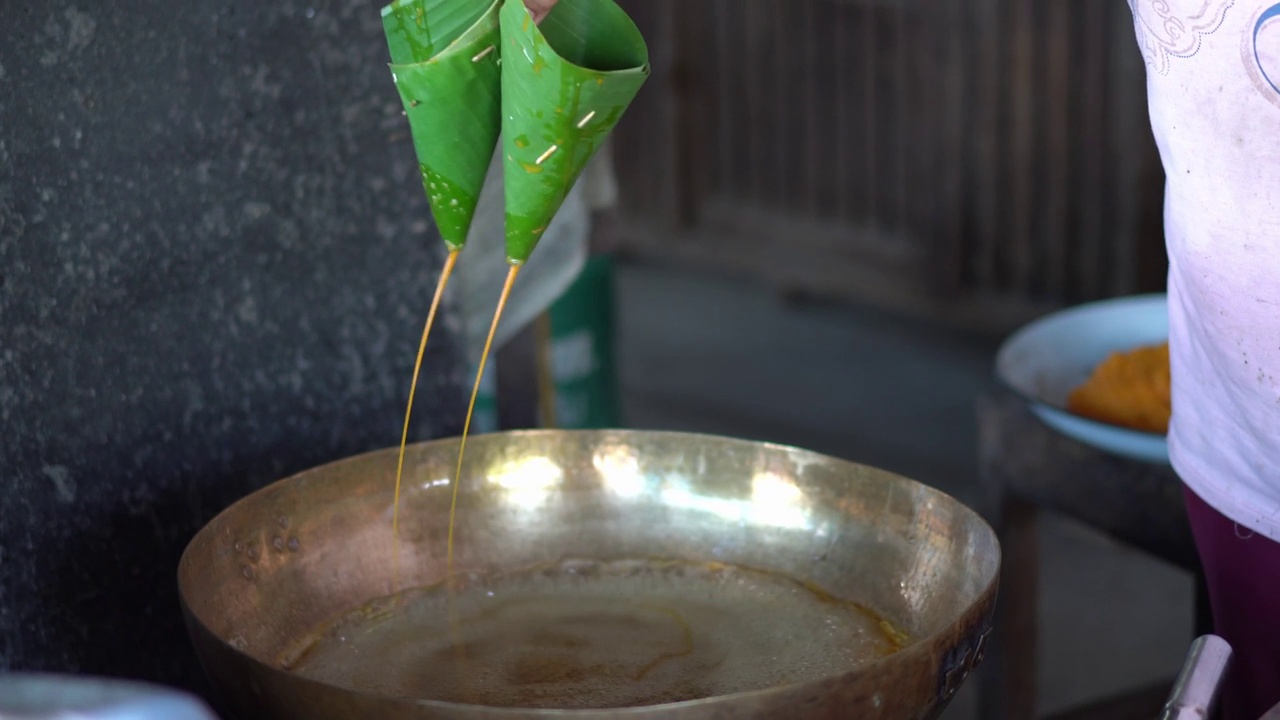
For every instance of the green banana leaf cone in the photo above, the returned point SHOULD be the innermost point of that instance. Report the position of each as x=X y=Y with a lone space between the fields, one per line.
x=565 y=84
x=446 y=64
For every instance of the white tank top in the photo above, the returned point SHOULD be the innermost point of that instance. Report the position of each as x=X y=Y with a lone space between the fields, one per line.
x=1213 y=82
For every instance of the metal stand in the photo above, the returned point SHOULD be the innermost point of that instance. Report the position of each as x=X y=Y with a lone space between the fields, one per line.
x=1195 y=693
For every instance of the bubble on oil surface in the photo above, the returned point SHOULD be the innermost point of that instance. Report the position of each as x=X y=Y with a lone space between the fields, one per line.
x=586 y=634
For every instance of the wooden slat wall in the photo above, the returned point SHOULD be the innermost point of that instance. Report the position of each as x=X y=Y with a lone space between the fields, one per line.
x=993 y=149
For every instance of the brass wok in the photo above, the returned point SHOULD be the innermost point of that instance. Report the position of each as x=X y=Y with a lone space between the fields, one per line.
x=311 y=548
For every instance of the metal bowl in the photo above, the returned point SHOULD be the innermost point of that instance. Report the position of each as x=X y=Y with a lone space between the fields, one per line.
x=309 y=549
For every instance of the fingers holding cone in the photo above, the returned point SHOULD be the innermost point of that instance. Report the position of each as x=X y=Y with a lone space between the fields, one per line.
x=539 y=8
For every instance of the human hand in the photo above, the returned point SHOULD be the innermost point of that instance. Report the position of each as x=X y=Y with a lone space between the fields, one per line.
x=539 y=8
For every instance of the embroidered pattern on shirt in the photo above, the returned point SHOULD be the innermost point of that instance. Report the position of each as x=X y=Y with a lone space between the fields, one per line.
x=1175 y=28
x=1260 y=50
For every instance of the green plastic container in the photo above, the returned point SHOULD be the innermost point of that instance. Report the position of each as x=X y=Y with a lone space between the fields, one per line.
x=582 y=350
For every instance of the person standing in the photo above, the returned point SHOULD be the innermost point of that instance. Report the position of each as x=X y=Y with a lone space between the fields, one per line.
x=1213 y=84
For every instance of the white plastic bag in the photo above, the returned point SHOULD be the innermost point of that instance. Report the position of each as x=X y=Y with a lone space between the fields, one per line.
x=482 y=266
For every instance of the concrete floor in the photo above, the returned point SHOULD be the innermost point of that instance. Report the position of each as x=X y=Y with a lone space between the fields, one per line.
x=707 y=354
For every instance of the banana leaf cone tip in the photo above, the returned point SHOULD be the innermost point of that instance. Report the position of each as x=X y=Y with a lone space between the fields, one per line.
x=565 y=84
x=446 y=65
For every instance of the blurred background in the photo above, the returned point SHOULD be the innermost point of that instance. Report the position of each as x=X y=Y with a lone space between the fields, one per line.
x=815 y=226
x=831 y=213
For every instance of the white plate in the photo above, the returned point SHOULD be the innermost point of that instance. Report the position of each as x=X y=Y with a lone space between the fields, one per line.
x=1043 y=361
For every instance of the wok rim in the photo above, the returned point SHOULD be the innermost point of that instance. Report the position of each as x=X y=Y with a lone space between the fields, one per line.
x=982 y=604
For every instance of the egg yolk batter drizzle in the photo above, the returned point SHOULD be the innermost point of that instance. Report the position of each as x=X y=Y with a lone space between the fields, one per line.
x=413 y=386
x=471 y=406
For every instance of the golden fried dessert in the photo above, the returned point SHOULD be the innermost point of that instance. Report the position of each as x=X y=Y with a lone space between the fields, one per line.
x=1130 y=389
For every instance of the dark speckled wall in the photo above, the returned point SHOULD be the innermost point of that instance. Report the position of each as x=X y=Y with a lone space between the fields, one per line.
x=214 y=265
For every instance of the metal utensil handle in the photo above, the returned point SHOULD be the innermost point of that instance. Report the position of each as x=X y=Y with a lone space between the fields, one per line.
x=1196 y=689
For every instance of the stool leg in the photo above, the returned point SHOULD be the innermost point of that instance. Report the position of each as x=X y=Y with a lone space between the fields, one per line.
x=1008 y=677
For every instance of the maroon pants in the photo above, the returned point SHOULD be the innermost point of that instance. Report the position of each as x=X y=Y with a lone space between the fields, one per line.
x=1242 y=570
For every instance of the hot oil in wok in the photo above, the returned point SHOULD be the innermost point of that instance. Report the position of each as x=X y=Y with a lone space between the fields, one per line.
x=585 y=634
